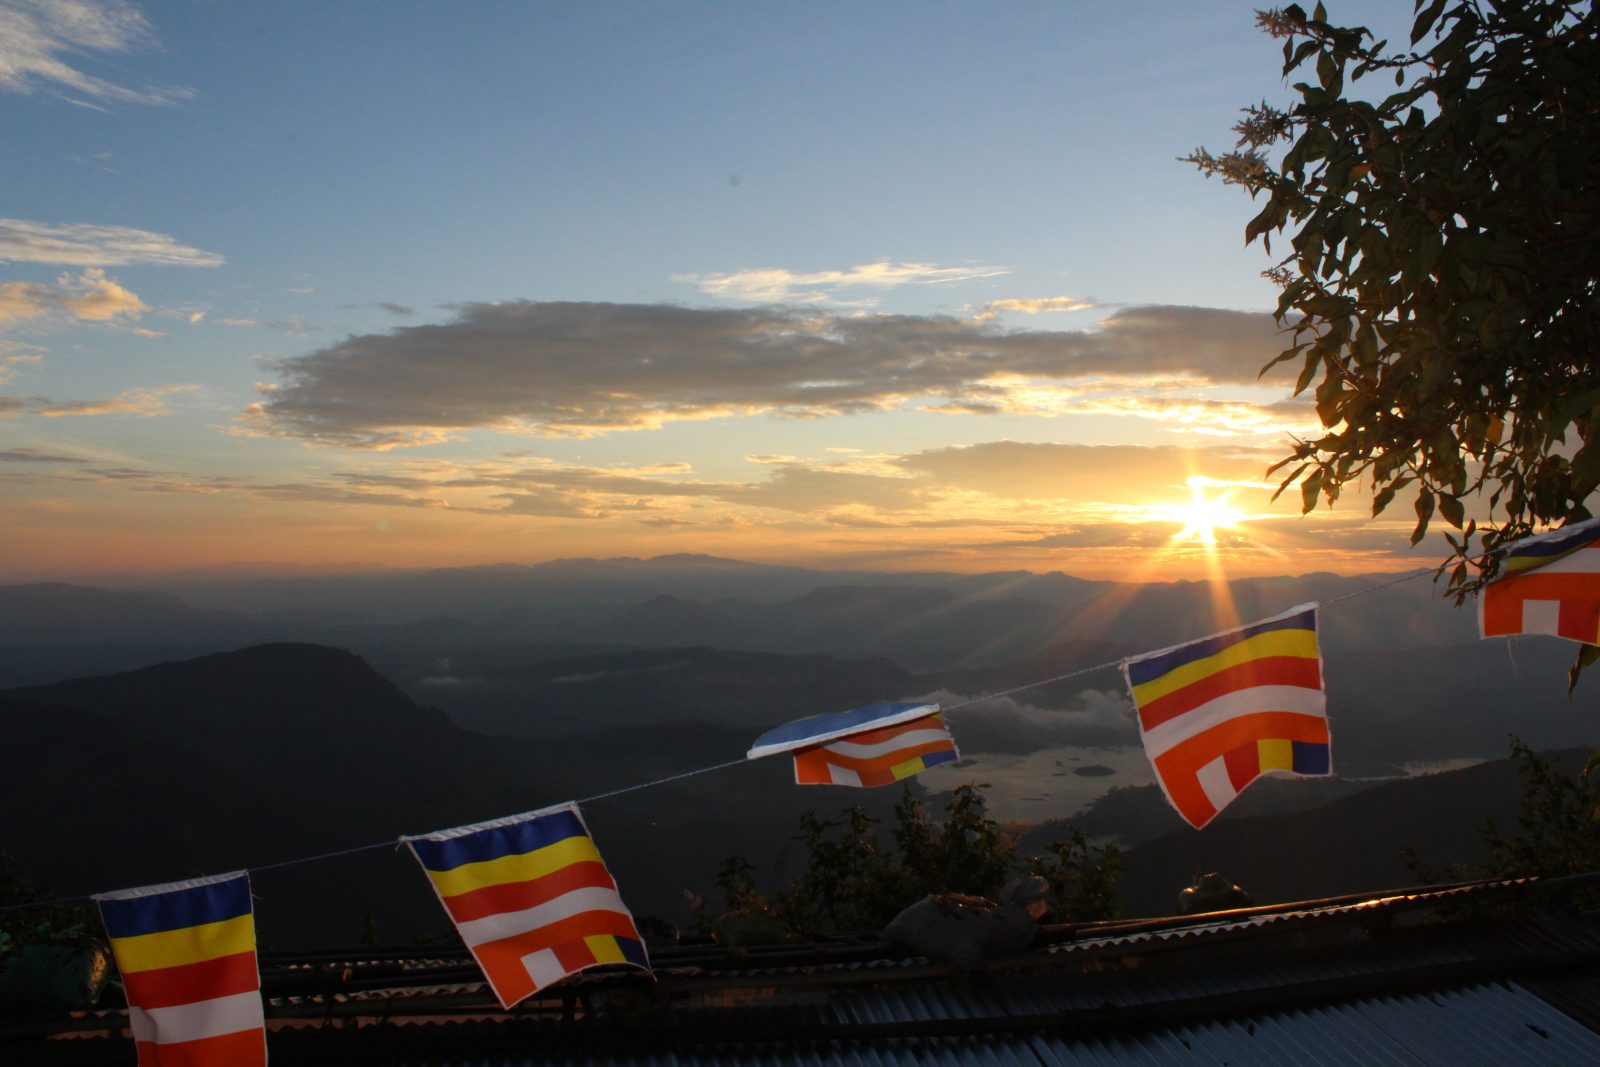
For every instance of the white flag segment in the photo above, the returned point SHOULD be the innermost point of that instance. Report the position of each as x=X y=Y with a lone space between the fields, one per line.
x=819 y=729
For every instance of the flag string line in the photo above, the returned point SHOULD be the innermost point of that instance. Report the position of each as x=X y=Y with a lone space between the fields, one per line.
x=1108 y=664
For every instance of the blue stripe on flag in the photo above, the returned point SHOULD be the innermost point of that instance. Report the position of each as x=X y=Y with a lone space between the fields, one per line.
x=1555 y=542
x=1144 y=670
x=176 y=909
x=809 y=731
x=493 y=842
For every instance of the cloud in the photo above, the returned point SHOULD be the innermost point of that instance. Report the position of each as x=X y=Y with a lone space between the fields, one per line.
x=550 y=504
x=85 y=245
x=294 y=324
x=1092 y=719
x=1108 y=473
x=1103 y=535
x=148 y=402
x=776 y=285
x=33 y=455
x=13 y=354
x=809 y=491
x=1036 y=307
x=97 y=298
x=581 y=369
x=35 y=36
x=91 y=296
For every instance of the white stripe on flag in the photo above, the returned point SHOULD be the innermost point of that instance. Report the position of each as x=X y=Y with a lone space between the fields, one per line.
x=203 y=1018
x=843 y=776
x=1230 y=706
x=893 y=744
x=1541 y=617
x=1585 y=560
x=543 y=967
x=1215 y=782
x=476 y=932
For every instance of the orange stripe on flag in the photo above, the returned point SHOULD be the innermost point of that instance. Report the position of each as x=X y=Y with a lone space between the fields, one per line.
x=814 y=762
x=193 y=982
x=502 y=960
x=517 y=896
x=1503 y=600
x=1301 y=671
x=1179 y=767
x=247 y=1048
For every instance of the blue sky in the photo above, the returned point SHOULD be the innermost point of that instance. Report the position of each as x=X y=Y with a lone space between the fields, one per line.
x=916 y=285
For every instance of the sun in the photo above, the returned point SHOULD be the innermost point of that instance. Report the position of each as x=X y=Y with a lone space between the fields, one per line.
x=1204 y=515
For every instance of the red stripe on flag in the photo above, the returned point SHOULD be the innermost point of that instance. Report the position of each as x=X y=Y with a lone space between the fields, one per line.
x=1302 y=671
x=811 y=764
x=574 y=955
x=1179 y=767
x=191 y=982
x=1244 y=765
x=1579 y=621
x=879 y=734
x=517 y=896
x=502 y=960
x=1503 y=599
x=247 y=1048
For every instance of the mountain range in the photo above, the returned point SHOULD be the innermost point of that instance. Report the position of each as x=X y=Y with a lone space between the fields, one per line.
x=204 y=723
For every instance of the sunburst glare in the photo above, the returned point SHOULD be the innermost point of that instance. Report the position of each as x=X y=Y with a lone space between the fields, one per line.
x=1205 y=514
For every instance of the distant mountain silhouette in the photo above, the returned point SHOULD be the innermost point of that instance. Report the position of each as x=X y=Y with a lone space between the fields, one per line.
x=246 y=758
x=1350 y=845
x=648 y=687
x=235 y=759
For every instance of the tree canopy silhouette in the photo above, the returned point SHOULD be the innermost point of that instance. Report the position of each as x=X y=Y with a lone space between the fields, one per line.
x=1439 y=285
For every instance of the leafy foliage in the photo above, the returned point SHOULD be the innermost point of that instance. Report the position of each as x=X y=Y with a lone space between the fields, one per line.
x=1556 y=832
x=1440 y=283
x=41 y=921
x=853 y=883
x=1082 y=878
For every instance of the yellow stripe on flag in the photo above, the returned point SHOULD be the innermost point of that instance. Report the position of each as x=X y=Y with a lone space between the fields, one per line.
x=1295 y=642
x=519 y=868
x=605 y=948
x=914 y=765
x=1275 y=754
x=191 y=944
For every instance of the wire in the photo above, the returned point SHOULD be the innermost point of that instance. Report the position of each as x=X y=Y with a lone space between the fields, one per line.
x=729 y=763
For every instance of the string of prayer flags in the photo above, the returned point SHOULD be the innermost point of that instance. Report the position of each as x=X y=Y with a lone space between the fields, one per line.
x=531 y=898
x=1218 y=713
x=1548 y=584
x=865 y=747
x=187 y=954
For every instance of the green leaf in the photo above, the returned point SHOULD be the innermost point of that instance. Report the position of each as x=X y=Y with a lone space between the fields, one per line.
x=1452 y=510
x=1424 y=22
x=1308 y=491
x=1382 y=499
x=1307 y=373
x=1424 y=508
x=1587 y=655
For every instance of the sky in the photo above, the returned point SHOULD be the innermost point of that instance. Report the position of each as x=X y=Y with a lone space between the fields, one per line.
x=885 y=286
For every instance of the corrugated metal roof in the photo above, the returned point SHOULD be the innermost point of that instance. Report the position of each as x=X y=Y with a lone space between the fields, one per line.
x=1492 y=1025
x=1339 y=982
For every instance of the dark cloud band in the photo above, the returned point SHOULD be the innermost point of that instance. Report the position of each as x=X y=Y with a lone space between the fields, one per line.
x=585 y=368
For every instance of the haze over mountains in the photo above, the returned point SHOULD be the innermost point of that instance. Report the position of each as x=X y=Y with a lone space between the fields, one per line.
x=485 y=691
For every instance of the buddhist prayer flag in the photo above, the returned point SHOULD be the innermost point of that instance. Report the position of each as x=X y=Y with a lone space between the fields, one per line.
x=531 y=898
x=876 y=745
x=1218 y=713
x=187 y=953
x=1548 y=584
